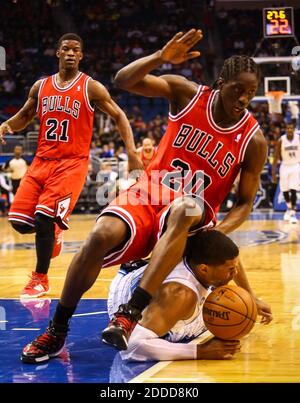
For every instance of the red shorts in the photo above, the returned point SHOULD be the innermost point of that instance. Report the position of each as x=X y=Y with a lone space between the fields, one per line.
x=49 y=187
x=145 y=220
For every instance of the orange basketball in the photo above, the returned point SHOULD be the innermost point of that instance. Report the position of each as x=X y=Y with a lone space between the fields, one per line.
x=229 y=312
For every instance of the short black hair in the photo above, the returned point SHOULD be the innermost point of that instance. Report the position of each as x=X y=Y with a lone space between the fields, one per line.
x=291 y=122
x=70 y=36
x=211 y=248
x=237 y=64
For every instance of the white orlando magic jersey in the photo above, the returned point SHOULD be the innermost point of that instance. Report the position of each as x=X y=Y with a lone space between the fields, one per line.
x=124 y=284
x=290 y=150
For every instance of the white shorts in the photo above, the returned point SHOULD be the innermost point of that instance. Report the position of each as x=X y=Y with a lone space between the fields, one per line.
x=122 y=288
x=289 y=177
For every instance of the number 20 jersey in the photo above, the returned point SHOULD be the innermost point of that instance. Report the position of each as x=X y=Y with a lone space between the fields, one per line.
x=66 y=118
x=194 y=143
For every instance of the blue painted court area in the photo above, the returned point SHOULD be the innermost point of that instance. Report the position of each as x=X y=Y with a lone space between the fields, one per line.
x=85 y=358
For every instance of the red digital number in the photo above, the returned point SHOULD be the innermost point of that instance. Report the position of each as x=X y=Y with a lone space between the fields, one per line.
x=274 y=29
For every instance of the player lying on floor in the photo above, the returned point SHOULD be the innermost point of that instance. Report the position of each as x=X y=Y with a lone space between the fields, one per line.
x=175 y=313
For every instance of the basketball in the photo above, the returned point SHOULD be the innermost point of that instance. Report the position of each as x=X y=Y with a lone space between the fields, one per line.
x=229 y=312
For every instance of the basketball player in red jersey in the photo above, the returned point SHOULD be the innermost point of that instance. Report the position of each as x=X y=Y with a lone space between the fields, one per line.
x=147 y=152
x=49 y=191
x=210 y=138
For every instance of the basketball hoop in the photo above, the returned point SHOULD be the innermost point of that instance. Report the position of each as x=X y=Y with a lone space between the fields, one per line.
x=274 y=101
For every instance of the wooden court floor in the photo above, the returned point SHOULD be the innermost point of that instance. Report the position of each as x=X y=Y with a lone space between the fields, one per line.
x=269 y=354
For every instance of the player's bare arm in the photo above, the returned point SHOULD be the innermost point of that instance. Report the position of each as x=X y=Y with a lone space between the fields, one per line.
x=276 y=159
x=254 y=161
x=172 y=303
x=135 y=77
x=263 y=309
x=99 y=96
x=24 y=116
x=175 y=302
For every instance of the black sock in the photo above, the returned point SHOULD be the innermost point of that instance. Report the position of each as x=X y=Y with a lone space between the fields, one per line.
x=140 y=299
x=62 y=315
x=44 y=242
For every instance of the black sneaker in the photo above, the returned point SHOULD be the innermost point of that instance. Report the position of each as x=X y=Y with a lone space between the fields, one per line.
x=121 y=326
x=48 y=345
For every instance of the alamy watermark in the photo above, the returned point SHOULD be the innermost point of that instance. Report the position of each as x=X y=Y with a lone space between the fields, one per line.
x=158 y=189
x=2 y=58
x=296 y=58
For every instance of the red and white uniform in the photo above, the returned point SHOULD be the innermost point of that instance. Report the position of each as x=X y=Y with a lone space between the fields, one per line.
x=195 y=157
x=57 y=174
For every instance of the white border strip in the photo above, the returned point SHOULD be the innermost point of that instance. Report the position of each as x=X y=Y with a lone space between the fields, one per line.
x=248 y=137
x=19 y=220
x=63 y=89
x=39 y=93
x=45 y=207
x=189 y=106
x=212 y=123
x=86 y=94
x=21 y=215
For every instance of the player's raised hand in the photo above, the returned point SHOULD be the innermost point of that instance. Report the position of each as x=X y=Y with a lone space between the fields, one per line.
x=4 y=128
x=177 y=50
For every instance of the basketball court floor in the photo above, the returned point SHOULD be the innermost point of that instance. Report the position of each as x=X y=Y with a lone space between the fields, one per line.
x=270 y=251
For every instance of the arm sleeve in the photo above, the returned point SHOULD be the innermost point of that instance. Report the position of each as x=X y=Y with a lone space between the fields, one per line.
x=145 y=345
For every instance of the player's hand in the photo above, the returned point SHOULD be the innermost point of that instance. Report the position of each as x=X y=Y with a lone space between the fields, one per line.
x=177 y=49
x=264 y=310
x=274 y=179
x=216 y=349
x=4 y=128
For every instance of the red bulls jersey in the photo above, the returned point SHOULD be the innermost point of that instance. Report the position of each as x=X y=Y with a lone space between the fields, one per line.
x=198 y=156
x=66 y=118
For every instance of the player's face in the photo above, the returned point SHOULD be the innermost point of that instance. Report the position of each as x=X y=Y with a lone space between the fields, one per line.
x=290 y=131
x=147 y=146
x=219 y=275
x=69 y=54
x=237 y=94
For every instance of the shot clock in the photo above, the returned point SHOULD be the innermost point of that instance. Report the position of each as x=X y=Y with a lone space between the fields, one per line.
x=278 y=22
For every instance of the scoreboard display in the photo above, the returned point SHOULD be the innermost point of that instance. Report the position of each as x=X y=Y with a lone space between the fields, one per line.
x=278 y=22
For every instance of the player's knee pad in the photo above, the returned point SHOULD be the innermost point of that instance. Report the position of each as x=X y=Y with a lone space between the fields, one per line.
x=22 y=228
x=44 y=224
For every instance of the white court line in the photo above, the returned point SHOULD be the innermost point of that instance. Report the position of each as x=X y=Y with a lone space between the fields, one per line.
x=89 y=313
x=144 y=376
x=3 y=321
x=25 y=328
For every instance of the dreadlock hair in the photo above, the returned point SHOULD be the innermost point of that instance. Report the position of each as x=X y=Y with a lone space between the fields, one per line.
x=70 y=36
x=235 y=65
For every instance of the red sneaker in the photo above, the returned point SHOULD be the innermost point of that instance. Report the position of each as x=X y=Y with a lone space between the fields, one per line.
x=37 y=286
x=121 y=326
x=58 y=241
x=48 y=345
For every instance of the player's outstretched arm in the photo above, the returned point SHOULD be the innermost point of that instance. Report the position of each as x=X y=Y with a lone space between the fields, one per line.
x=135 y=77
x=254 y=161
x=99 y=95
x=263 y=309
x=24 y=116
